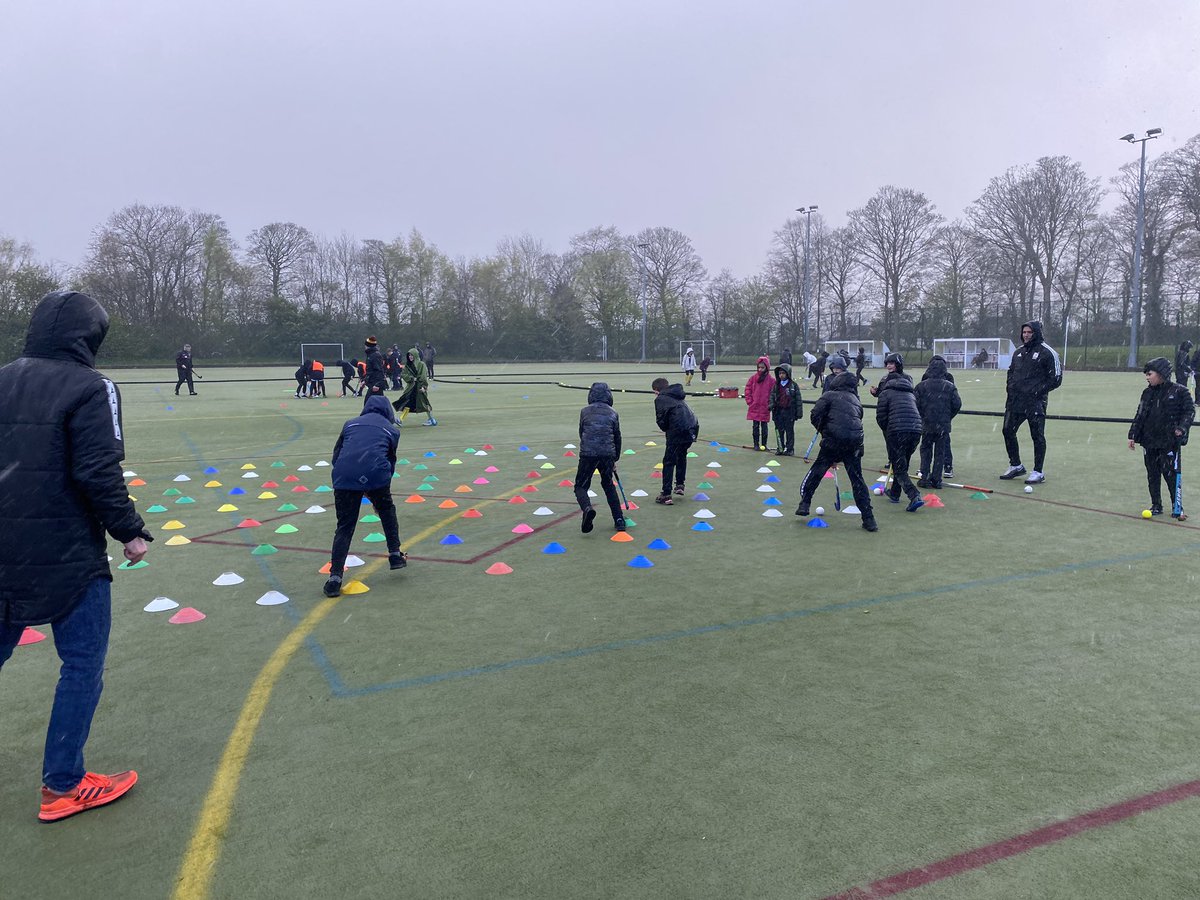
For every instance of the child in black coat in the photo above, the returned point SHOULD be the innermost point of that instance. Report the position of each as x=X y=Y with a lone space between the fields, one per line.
x=938 y=402
x=1164 y=415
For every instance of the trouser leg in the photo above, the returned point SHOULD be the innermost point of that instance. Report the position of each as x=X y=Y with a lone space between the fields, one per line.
x=1012 y=421
x=583 y=480
x=385 y=508
x=902 y=448
x=347 y=504
x=1037 y=431
x=852 y=464
x=610 y=490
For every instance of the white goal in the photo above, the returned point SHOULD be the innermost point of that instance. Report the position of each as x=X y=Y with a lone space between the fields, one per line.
x=328 y=354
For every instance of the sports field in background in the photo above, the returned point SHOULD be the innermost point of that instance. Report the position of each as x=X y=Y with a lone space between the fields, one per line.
x=993 y=699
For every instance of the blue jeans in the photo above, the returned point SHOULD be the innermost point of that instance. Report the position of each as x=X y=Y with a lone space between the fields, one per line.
x=81 y=639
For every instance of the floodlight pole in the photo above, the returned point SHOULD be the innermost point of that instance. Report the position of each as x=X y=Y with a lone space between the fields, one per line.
x=642 y=291
x=1135 y=287
x=807 y=212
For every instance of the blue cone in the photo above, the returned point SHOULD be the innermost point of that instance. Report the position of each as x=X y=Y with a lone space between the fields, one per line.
x=818 y=523
x=429 y=453
x=723 y=450
x=701 y=496
x=211 y=470
x=658 y=544
x=772 y=501
x=702 y=526
x=366 y=501
x=771 y=479
x=640 y=562
x=523 y=449
x=236 y=491
x=554 y=547
x=451 y=539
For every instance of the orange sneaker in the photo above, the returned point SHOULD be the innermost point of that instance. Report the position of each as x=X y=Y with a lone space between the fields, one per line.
x=94 y=790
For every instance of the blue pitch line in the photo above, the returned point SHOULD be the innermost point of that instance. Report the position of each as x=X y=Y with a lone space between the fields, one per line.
x=634 y=643
x=315 y=649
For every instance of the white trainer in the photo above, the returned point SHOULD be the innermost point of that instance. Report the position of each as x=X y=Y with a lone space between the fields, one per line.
x=1035 y=477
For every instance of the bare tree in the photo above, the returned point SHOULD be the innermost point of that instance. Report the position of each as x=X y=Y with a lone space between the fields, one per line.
x=385 y=266
x=674 y=273
x=894 y=230
x=278 y=248
x=603 y=280
x=841 y=272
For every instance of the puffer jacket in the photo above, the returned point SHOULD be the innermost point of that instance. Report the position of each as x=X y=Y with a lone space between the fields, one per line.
x=674 y=416
x=364 y=457
x=838 y=412
x=1162 y=410
x=61 y=481
x=758 y=393
x=786 y=404
x=937 y=397
x=896 y=407
x=599 y=425
x=376 y=370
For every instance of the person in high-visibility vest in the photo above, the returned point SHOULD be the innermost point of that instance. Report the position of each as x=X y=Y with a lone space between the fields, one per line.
x=316 y=386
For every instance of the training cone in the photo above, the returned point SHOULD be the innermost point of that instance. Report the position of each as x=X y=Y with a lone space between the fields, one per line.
x=160 y=604
x=933 y=501
x=621 y=537
x=177 y=540
x=472 y=514
x=522 y=529
x=354 y=587
x=226 y=578
x=451 y=539
x=658 y=544
x=701 y=496
x=772 y=501
x=772 y=514
x=979 y=495
x=263 y=550
x=851 y=511
x=271 y=598
x=517 y=499
x=499 y=569
x=186 y=616
x=554 y=547
x=818 y=523
x=704 y=514
x=702 y=526
x=30 y=636
x=640 y=562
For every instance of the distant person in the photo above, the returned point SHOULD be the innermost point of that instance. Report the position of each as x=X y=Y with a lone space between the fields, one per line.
x=1033 y=373
x=393 y=365
x=183 y=368
x=676 y=419
x=817 y=369
x=689 y=366
x=785 y=358
x=301 y=376
x=428 y=355
x=1164 y=415
x=899 y=419
x=364 y=460
x=980 y=359
x=837 y=416
x=376 y=368
x=786 y=407
x=599 y=450
x=704 y=367
x=1183 y=363
x=943 y=370
x=415 y=397
x=758 y=402
x=860 y=363
x=349 y=370
x=63 y=490
x=316 y=387
x=809 y=359
x=938 y=402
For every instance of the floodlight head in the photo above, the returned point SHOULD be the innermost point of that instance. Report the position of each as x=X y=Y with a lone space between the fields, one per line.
x=1154 y=132
x=812 y=207
x=1127 y=137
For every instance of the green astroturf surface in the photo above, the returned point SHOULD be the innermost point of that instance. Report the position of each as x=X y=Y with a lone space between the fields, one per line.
x=771 y=710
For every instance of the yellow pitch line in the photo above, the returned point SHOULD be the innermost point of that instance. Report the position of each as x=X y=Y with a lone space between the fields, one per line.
x=204 y=849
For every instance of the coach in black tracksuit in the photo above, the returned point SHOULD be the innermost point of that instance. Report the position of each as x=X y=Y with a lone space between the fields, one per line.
x=1033 y=373
x=837 y=415
x=898 y=417
x=377 y=381
x=1160 y=425
x=938 y=402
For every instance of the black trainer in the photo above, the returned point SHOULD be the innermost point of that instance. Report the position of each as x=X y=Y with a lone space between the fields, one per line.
x=619 y=524
x=802 y=509
x=398 y=560
x=333 y=587
x=869 y=525
x=589 y=516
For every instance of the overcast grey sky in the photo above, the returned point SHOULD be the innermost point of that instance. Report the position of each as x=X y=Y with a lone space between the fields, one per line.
x=475 y=120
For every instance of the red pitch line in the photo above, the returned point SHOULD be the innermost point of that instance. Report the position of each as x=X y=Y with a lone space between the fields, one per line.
x=1039 y=837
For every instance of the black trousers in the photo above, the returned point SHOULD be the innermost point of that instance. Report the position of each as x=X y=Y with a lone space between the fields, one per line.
x=1016 y=414
x=348 y=505
x=900 y=449
x=346 y=384
x=184 y=375
x=583 y=480
x=859 y=375
x=1162 y=464
x=674 y=469
x=760 y=430
x=935 y=448
x=849 y=457
x=785 y=433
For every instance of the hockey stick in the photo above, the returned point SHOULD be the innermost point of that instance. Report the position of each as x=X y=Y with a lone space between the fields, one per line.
x=1177 y=506
x=197 y=374
x=621 y=488
x=808 y=452
x=837 y=491
x=969 y=487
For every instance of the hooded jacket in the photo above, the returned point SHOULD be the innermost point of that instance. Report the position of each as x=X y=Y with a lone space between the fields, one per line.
x=1161 y=410
x=599 y=425
x=61 y=481
x=1183 y=362
x=674 y=416
x=1035 y=369
x=364 y=457
x=758 y=392
x=896 y=408
x=937 y=397
x=785 y=401
x=416 y=383
x=376 y=370
x=838 y=412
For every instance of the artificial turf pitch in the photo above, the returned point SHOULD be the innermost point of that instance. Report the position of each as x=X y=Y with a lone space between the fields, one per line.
x=770 y=710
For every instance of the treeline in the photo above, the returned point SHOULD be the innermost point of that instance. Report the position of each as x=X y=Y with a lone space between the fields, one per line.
x=1043 y=240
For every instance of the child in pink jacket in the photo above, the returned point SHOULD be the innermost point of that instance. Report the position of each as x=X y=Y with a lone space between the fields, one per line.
x=758 y=396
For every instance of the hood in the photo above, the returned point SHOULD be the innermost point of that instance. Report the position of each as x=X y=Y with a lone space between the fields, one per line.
x=600 y=393
x=67 y=325
x=1185 y=346
x=837 y=360
x=1037 y=331
x=842 y=382
x=898 y=381
x=937 y=367
x=785 y=369
x=377 y=403
x=676 y=391
x=764 y=359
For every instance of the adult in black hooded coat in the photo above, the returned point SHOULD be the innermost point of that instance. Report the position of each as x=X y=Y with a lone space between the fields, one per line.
x=61 y=490
x=1033 y=373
